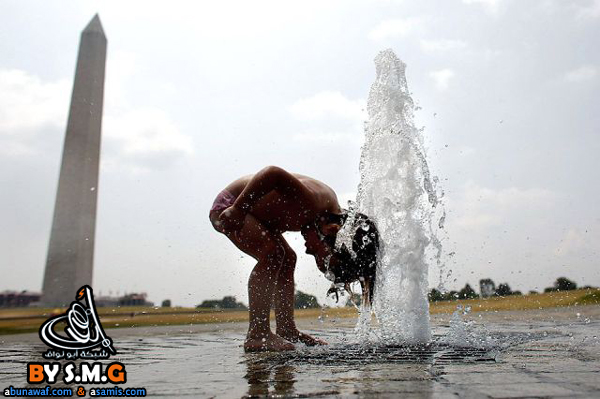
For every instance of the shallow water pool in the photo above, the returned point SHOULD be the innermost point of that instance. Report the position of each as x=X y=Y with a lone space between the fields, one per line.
x=550 y=353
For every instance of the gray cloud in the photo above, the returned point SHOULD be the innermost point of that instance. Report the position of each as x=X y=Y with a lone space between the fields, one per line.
x=197 y=97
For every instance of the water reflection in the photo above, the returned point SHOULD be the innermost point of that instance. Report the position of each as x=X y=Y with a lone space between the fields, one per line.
x=210 y=364
x=13 y=366
x=266 y=379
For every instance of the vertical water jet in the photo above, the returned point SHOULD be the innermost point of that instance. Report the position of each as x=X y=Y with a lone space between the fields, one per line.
x=398 y=193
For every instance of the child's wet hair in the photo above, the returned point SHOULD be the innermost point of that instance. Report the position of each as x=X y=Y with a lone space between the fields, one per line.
x=358 y=263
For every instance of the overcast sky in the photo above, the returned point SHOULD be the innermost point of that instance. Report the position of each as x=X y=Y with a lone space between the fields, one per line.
x=197 y=95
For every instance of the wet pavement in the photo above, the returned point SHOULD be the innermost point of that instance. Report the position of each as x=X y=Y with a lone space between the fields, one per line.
x=545 y=353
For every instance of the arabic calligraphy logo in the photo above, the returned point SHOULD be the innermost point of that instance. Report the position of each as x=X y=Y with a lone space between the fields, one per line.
x=83 y=331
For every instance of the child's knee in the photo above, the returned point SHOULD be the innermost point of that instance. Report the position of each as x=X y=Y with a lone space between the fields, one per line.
x=273 y=253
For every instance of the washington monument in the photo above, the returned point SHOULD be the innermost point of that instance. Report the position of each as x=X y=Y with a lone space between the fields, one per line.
x=71 y=250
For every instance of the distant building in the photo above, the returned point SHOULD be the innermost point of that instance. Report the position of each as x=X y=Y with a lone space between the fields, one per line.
x=106 y=301
x=70 y=259
x=125 y=300
x=16 y=299
x=134 y=300
x=20 y=299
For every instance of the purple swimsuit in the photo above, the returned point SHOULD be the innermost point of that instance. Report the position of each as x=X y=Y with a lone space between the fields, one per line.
x=223 y=201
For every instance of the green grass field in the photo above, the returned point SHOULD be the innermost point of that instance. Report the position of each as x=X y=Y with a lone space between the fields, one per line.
x=21 y=320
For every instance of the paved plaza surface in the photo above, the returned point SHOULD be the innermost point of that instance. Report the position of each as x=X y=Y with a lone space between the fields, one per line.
x=550 y=353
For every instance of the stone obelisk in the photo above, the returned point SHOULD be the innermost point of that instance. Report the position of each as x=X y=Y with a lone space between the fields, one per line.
x=71 y=250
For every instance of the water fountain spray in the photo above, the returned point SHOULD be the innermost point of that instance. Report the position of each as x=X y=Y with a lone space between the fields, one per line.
x=398 y=193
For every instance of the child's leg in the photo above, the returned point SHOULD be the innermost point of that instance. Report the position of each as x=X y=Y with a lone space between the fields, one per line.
x=284 y=301
x=284 y=294
x=264 y=246
x=261 y=285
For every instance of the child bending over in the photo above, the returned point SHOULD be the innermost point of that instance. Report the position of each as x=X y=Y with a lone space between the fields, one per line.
x=254 y=211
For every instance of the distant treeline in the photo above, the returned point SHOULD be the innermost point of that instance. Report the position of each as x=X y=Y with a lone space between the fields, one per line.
x=302 y=301
x=487 y=288
x=228 y=302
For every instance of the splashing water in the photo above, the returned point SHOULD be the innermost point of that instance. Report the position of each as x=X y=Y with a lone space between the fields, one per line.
x=465 y=333
x=398 y=193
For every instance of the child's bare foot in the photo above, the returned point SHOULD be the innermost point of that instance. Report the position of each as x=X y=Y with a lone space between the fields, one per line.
x=270 y=343
x=297 y=336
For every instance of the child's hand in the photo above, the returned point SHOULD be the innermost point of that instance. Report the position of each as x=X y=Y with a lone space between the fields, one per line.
x=232 y=219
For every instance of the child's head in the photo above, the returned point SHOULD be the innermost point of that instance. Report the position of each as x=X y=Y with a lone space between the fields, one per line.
x=354 y=255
